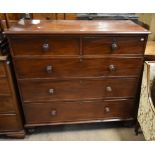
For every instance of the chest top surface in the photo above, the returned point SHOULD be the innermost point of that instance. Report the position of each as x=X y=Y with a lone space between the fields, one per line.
x=74 y=27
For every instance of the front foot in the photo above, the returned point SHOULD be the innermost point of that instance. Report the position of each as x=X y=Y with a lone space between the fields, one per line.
x=31 y=130
x=128 y=124
x=16 y=135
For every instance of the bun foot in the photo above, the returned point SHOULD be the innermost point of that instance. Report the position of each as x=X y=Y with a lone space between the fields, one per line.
x=16 y=135
x=31 y=130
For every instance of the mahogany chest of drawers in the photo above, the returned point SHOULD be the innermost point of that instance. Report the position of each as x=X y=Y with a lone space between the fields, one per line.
x=10 y=116
x=77 y=71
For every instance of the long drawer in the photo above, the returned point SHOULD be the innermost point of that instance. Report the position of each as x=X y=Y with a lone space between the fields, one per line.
x=113 y=45
x=76 y=67
x=45 y=45
x=44 y=90
x=59 y=112
x=9 y=123
x=4 y=87
x=6 y=104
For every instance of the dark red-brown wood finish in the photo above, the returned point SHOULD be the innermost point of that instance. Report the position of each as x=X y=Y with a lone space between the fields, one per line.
x=77 y=71
x=10 y=115
x=75 y=27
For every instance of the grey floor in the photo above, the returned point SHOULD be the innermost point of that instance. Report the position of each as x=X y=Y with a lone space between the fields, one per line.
x=87 y=132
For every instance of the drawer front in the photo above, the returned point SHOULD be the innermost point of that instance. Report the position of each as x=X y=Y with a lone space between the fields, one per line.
x=44 y=90
x=74 y=67
x=2 y=70
x=114 y=45
x=6 y=104
x=9 y=123
x=78 y=111
x=45 y=45
x=4 y=86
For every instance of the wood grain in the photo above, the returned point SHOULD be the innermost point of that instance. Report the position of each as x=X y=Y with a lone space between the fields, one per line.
x=4 y=89
x=32 y=45
x=103 y=45
x=75 y=27
x=6 y=105
x=9 y=123
x=76 y=67
x=78 y=111
x=10 y=114
x=85 y=63
x=38 y=90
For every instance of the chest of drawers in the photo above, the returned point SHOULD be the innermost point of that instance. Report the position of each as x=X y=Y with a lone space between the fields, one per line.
x=10 y=116
x=77 y=71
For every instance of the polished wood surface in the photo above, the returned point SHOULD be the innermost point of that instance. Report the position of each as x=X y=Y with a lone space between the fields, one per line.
x=60 y=112
x=104 y=45
x=92 y=45
x=2 y=70
x=4 y=89
x=10 y=116
x=58 y=68
x=47 y=90
x=61 y=64
x=9 y=123
x=45 y=45
x=75 y=27
x=6 y=104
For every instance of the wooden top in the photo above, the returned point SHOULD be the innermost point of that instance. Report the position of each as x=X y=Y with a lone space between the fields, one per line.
x=75 y=27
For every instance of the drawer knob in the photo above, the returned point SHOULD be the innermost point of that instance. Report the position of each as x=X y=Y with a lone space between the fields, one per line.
x=53 y=112
x=107 y=109
x=45 y=47
x=49 y=69
x=142 y=39
x=114 y=46
x=51 y=91
x=108 y=89
x=112 y=68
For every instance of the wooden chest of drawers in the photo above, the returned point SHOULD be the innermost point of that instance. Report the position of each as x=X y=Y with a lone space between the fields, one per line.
x=77 y=71
x=10 y=116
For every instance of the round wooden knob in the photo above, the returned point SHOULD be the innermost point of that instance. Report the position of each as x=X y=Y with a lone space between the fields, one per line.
x=114 y=46
x=107 y=109
x=112 y=68
x=49 y=69
x=53 y=112
x=51 y=91
x=108 y=89
x=142 y=39
x=45 y=47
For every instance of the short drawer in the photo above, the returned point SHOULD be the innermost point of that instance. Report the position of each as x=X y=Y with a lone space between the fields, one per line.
x=9 y=123
x=75 y=67
x=2 y=70
x=46 y=90
x=4 y=87
x=113 y=45
x=44 y=45
x=60 y=112
x=6 y=104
